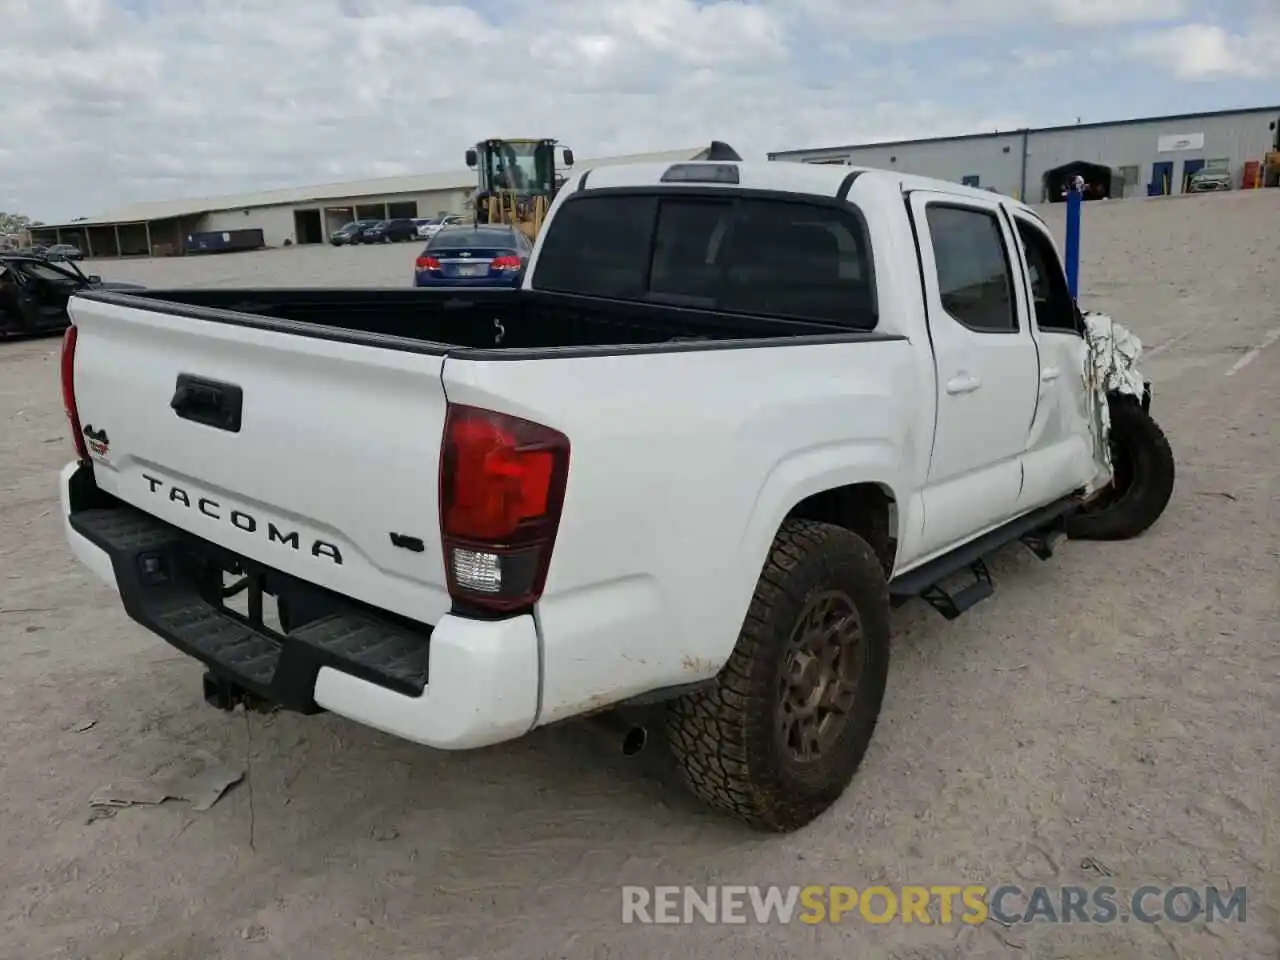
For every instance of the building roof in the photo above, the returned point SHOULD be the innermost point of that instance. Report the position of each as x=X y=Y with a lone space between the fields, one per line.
x=318 y=193
x=1172 y=118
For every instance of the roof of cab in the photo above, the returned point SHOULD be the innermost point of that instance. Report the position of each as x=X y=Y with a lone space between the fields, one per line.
x=823 y=180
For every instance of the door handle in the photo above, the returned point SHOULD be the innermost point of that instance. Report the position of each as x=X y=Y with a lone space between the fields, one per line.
x=1049 y=374
x=964 y=383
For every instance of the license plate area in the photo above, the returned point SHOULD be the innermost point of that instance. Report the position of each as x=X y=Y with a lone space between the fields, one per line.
x=472 y=269
x=245 y=597
x=265 y=599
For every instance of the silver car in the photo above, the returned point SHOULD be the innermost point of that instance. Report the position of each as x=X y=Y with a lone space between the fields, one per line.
x=1208 y=181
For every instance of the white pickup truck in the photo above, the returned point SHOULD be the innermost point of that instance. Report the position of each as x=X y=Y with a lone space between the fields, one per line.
x=735 y=412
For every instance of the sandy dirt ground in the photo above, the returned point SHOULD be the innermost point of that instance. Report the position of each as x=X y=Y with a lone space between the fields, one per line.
x=1108 y=717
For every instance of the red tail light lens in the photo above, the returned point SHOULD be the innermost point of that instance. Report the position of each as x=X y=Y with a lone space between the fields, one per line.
x=427 y=263
x=502 y=486
x=68 y=372
x=506 y=263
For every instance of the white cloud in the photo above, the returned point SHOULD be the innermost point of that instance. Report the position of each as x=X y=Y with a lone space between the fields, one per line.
x=1077 y=13
x=109 y=102
x=912 y=20
x=1205 y=51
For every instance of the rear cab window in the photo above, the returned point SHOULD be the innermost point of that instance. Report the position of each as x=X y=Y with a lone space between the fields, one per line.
x=711 y=250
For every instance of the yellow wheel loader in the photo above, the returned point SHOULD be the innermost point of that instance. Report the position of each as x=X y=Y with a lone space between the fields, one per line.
x=516 y=181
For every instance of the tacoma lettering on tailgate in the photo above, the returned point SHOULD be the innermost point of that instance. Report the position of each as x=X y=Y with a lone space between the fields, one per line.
x=241 y=520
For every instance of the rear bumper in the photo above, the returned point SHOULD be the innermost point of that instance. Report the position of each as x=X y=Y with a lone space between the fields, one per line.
x=462 y=684
x=420 y=281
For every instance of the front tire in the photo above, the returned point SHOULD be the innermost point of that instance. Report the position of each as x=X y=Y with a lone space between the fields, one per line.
x=778 y=737
x=1143 y=464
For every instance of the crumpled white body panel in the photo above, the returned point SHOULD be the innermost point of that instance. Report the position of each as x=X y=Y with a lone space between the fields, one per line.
x=1111 y=365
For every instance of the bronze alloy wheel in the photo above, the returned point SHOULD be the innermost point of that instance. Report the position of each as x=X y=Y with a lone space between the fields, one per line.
x=819 y=677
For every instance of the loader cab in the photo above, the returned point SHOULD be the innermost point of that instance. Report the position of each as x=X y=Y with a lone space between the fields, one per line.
x=516 y=180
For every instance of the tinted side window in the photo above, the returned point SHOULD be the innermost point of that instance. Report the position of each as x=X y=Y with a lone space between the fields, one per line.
x=1053 y=304
x=598 y=246
x=973 y=268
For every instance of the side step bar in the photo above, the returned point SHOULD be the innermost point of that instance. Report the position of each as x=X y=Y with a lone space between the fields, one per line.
x=1039 y=531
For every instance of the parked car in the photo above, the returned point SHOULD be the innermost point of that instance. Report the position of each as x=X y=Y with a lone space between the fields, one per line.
x=752 y=406
x=469 y=256
x=345 y=233
x=364 y=232
x=225 y=241
x=1207 y=181
x=390 y=231
x=34 y=293
x=429 y=227
x=63 y=251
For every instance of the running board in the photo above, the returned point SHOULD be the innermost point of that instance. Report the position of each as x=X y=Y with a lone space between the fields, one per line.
x=951 y=605
x=1039 y=531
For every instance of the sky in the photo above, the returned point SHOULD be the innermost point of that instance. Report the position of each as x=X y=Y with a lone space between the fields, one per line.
x=104 y=103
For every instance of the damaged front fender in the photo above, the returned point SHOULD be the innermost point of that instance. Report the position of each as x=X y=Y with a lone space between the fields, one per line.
x=1111 y=367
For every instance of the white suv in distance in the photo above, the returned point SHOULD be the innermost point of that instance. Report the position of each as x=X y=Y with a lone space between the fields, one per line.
x=428 y=227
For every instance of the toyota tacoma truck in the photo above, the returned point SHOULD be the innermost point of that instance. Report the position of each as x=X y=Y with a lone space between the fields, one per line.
x=733 y=414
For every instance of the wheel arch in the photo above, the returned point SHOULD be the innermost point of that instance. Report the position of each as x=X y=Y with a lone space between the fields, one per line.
x=855 y=486
x=867 y=508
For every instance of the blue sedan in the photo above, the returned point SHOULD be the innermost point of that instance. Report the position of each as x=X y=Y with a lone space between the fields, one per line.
x=471 y=256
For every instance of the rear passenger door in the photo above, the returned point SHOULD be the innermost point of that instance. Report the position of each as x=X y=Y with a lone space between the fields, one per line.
x=986 y=364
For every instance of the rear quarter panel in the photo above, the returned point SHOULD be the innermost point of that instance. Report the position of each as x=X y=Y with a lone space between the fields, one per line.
x=682 y=467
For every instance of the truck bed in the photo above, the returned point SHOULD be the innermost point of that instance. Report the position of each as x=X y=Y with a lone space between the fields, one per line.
x=440 y=321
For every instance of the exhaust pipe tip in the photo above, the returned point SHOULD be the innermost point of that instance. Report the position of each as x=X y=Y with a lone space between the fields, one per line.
x=632 y=736
x=634 y=741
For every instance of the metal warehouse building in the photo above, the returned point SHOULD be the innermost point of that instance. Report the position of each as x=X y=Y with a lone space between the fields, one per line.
x=1122 y=158
x=298 y=215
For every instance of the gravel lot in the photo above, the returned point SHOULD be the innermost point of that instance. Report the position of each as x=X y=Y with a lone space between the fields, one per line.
x=1108 y=717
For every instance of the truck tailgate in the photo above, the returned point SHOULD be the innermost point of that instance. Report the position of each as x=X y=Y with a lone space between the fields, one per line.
x=330 y=473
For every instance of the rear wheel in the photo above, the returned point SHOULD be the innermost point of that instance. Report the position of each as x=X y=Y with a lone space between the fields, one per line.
x=778 y=737
x=1143 y=467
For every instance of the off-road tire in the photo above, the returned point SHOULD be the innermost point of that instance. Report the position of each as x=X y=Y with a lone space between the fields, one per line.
x=724 y=738
x=1138 y=440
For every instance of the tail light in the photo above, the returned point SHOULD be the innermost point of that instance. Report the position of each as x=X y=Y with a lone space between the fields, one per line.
x=68 y=369
x=502 y=485
x=427 y=263
x=505 y=263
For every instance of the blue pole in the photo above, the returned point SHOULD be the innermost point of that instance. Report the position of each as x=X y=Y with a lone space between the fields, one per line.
x=1073 y=239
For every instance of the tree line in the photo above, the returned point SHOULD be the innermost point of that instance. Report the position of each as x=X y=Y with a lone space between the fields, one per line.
x=16 y=222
